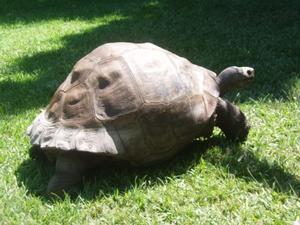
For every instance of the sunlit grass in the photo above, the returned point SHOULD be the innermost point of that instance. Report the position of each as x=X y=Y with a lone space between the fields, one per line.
x=212 y=182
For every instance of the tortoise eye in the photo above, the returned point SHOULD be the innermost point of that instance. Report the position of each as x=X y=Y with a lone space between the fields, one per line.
x=102 y=82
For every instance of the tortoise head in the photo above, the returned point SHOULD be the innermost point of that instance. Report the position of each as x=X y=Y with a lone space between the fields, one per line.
x=234 y=77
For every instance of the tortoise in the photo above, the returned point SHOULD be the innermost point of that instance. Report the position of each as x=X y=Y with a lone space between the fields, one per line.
x=136 y=104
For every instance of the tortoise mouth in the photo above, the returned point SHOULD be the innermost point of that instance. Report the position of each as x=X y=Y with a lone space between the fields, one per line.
x=249 y=79
x=246 y=81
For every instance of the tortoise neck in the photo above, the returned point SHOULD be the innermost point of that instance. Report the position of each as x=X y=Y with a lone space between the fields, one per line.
x=223 y=83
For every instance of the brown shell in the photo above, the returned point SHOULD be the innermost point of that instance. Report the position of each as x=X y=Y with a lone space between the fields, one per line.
x=136 y=101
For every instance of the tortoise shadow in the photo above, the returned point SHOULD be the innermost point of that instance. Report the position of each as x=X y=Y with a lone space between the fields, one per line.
x=243 y=163
x=34 y=174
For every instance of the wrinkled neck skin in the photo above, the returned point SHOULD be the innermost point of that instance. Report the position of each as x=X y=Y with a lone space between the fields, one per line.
x=224 y=82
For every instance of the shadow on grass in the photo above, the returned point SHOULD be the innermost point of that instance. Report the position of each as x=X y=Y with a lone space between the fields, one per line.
x=244 y=164
x=34 y=174
x=214 y=34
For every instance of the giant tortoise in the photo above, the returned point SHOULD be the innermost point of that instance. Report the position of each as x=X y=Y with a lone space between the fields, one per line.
x=133 y=103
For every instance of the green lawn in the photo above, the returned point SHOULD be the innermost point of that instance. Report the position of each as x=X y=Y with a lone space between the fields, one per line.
x=212 y=182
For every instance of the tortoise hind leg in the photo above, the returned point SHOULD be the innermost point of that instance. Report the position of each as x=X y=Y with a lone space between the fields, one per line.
x=232 y=121
x=69 y=172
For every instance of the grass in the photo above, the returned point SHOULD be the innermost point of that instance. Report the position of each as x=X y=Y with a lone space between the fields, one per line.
x=212 y=182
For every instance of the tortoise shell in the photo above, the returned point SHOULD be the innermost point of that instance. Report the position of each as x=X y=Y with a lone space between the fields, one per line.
x=136 y=102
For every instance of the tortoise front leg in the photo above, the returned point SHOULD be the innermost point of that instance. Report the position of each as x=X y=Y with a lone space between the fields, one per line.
x=232 y=121
x=69 y=172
